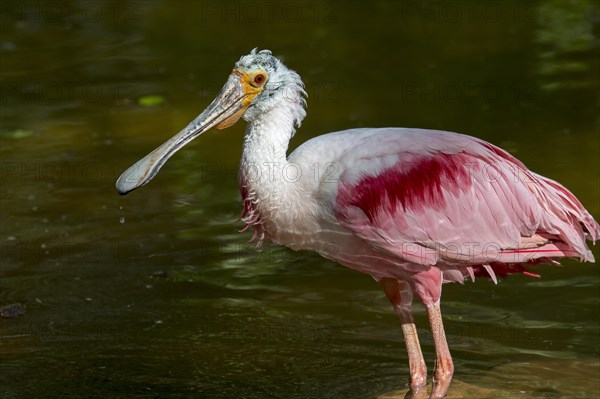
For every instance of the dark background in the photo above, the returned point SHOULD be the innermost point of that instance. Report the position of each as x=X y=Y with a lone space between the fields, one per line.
x=157 y=295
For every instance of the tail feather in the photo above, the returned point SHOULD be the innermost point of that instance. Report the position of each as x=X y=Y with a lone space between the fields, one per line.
x=563 y=231
x=566 y=217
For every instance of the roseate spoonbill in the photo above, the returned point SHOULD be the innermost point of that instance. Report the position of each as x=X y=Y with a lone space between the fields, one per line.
x=413 y=208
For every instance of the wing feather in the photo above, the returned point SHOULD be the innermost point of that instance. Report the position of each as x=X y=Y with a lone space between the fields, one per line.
x=439 y=198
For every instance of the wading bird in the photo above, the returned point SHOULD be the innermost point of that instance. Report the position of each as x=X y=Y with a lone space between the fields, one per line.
x=413 y=208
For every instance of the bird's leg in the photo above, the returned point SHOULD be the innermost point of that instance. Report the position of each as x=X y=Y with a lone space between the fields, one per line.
x=400 y=295
x=428 y=286
x=444 y=368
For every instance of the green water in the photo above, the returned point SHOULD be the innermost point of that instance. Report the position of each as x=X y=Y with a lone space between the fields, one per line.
x=156 y=295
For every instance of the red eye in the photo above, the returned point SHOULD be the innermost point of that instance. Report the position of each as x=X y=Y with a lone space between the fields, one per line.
x=259 y=79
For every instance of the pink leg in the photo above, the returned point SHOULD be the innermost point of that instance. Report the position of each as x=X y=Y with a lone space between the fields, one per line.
x=400 y=295
x=444 y=368
x=428 y=285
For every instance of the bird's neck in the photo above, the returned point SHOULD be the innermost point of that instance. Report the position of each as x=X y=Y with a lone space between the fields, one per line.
x=267 y=182
x=264 y=156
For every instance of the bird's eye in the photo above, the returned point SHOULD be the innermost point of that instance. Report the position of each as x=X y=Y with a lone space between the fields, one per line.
x=259 y=79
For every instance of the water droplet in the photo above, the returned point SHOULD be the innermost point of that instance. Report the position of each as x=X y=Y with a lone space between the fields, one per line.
x=122 y=219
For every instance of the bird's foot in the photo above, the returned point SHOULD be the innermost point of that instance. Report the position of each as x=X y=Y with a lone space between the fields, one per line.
x=440 y=389
x=418 y=378
x=441 y=382
x=417 y=392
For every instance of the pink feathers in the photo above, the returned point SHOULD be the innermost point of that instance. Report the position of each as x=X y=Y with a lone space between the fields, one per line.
x=250 y=214
x=459 y=203
x=412 y=184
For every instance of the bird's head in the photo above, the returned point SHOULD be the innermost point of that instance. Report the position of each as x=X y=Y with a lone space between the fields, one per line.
x=258 y=83
x=281 y=84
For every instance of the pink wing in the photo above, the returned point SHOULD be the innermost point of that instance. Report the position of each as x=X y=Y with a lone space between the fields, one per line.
x=460 y=203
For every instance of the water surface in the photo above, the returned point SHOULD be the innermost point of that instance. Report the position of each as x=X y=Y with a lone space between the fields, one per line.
x=157 y=295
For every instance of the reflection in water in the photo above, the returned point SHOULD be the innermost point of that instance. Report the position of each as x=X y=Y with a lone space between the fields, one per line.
x=174 y=302
x=566 y=37
x=520 y=381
